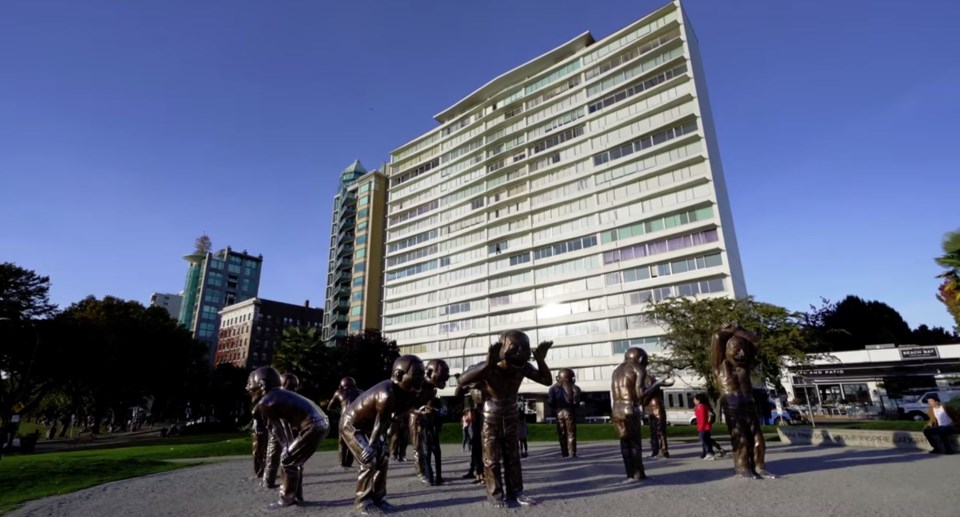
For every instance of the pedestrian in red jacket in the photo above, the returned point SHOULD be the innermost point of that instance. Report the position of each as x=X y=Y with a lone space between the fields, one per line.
x=702 y=411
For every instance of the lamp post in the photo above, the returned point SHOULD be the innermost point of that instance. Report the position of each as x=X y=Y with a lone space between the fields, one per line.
x=806 y=395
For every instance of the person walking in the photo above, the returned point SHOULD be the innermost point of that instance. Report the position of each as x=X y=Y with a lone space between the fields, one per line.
x=702 y=412
x=465 y=421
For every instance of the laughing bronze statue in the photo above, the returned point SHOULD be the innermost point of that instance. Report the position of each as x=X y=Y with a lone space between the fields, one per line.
x=507 y=364
x=266 y=450
x=370 y=419
x=347 y=393
x=626 y=400
x=564 y=398
x=734 y=354
x=289 y=382
x=298 y=424
x=425 y=422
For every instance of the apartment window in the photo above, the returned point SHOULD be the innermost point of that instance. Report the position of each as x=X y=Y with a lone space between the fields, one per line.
x=357 y=296
x=360 y=253
x=644 y=143
x=565 y=247
x=364 y=188
x=363 y=213
x=558 y=138
x=521 y=258
x=359 y=268
x=361 y=239
x=363 y=200
x=357 y=282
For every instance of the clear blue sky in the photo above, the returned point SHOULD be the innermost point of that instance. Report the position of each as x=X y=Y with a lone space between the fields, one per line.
x=129 y=128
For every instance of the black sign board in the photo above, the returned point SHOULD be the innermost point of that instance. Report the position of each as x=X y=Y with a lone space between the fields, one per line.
x=919 y=353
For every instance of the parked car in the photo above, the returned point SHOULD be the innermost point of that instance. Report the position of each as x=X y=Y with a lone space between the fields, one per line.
x=914 y=407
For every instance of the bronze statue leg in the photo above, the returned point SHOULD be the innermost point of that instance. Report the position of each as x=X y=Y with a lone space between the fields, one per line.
x=259 y=453
x=368 y=471
x=492 y=451
x=296 y=454
x=740 y=424
x=346 y=457
x=512 y=472
x=435 y=450
x=631 y=445
x=272 y=461
x=562 y=436
x=662 y=432
x=569 y=425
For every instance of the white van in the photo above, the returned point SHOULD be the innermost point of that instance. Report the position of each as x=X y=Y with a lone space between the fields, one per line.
x=915 y=406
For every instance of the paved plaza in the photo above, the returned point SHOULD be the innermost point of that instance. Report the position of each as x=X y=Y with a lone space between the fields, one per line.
x=815 y=481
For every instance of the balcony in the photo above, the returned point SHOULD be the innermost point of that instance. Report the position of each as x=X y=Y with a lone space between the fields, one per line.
x=345 y=250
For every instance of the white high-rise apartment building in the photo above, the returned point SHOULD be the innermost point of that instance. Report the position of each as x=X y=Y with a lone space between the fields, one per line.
x=561 y=198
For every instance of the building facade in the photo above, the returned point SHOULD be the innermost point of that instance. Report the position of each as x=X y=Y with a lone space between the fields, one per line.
x=355 y=268
x=562 y=198
x=251 y=330
x=214 y=281
x=877 y=379
x=168 y=302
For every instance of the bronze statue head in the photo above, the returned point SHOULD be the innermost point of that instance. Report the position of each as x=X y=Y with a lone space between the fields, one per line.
x=514 y=350
x=347 y=383
x=261 y=381
x=566 y=375
x=734 y=345
x=636 y=355
x=438 y=373
x=290 y=382
x=408 y=373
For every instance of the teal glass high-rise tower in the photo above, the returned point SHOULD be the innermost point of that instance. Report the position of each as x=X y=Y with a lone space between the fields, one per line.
x=214 y=281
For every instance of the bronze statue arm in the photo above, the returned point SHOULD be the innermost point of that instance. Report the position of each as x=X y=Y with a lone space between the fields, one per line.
x=541 y=373
x=471 y=376
x=335 y=398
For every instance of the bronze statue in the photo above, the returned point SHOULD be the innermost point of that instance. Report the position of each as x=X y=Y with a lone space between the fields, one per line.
x=297 y=422
x=266 y=452
x=734 y=354
x=507 y=364
x=425 y=423
x=657 y=412
x=473 y=404
x=367 y=422
x=626 y=400
x=347 y=393
x=400 y=438
x=564 y=398
x=289 y=382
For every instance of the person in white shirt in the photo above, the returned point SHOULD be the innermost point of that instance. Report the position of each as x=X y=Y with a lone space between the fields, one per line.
x=944 y=423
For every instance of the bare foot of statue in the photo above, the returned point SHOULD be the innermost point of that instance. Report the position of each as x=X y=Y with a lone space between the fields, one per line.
x=385 y=506
x=276 y=505
x=745 y=474
x=496 y=502
x=523 y=500
x=368 y=509
x=766 y=474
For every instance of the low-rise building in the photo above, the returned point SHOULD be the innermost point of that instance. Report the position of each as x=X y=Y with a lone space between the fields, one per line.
x=251 y=330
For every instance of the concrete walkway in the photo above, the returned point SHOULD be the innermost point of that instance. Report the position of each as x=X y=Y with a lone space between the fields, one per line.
x=814 y=482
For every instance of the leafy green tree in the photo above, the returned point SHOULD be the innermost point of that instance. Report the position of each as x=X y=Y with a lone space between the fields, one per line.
x=367 y=357
x=854 y=323
x=949 y=290
x=24 y=307
x=924 y=335
x=301 y=351
x=24 y=295
x=690 y=325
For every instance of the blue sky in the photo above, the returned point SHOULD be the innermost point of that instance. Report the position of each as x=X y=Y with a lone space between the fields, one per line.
x=127 y=129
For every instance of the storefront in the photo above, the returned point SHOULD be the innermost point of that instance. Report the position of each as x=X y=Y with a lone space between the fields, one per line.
x=873 y=380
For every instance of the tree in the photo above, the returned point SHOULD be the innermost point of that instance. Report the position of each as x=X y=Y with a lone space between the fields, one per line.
x=367 y=357
x=24 y=307
x=202 y=244
x=690 y=325
x=301 y=351
x=949 y=290
x=854 y=323
x=23 y=293
x=115 y=354
x=924 y=335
